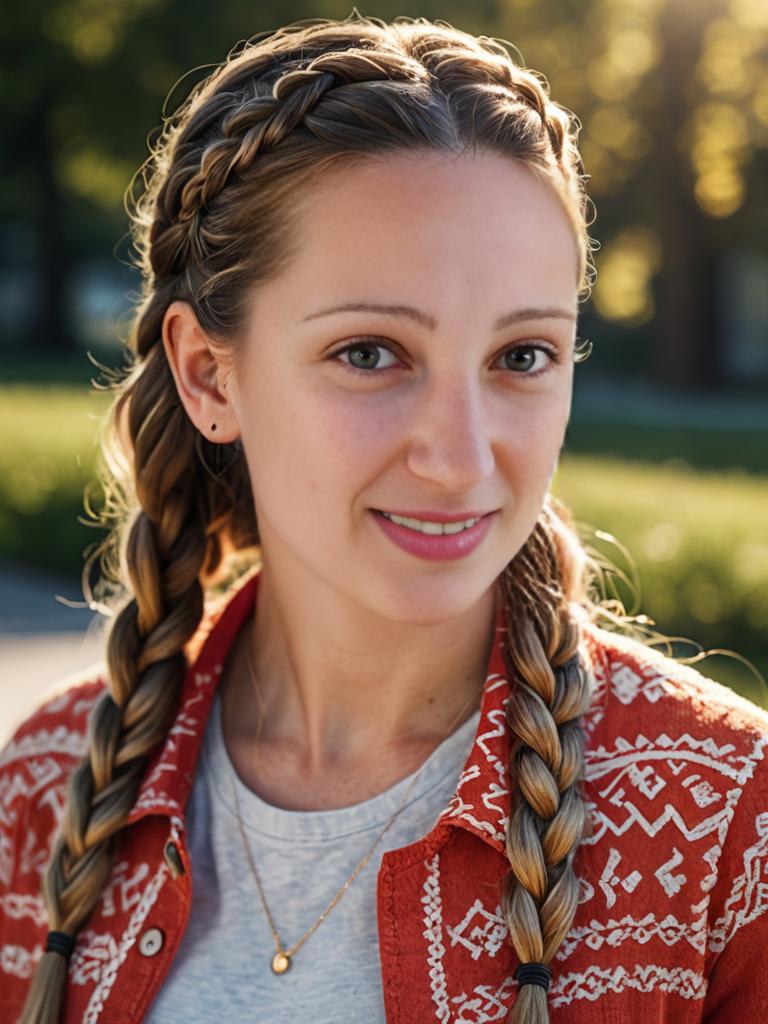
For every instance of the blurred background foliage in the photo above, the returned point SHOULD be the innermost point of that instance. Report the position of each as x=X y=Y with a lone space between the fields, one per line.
x=666 y=451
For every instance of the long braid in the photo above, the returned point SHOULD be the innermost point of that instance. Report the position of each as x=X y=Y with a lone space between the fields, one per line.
x=164 y=557
x=216 y=218
x=551 y=692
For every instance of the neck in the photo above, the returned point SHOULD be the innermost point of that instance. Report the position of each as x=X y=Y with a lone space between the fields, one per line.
x=325 y=705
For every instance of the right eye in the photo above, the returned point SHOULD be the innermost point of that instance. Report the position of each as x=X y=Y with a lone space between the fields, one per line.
x=362 y=345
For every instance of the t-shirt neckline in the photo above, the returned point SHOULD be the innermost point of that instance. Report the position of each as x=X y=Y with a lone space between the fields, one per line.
x=313 y=825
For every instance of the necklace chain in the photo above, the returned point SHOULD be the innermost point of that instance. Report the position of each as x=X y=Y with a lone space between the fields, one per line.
x=282 y=959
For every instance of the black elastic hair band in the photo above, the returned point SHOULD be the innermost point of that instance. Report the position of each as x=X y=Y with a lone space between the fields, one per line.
x=534 y=974
x=60 y=942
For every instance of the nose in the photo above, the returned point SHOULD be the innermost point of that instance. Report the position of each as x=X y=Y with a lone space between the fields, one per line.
x=451 y=442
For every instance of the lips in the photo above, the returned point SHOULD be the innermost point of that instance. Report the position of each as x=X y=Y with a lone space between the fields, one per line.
x=435 y=517
x=434 y=547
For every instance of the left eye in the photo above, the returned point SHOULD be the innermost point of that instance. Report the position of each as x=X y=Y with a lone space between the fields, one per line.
x=515 y=351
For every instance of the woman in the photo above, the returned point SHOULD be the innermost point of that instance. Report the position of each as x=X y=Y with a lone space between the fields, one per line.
x=386 y=766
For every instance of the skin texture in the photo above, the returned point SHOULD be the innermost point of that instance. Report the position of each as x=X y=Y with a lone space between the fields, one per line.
x=364 y=653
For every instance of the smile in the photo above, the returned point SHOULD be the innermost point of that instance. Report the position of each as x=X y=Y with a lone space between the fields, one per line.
x=434 y=541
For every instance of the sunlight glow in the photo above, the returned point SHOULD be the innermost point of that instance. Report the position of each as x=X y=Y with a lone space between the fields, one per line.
x=627 y=264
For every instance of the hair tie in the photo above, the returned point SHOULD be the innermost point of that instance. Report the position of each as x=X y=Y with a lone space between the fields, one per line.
x=60 y=942
x=534 y=974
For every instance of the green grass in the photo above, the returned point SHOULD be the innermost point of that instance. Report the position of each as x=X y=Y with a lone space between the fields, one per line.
x=48 y=449
x=696 y=556
x=697 y=536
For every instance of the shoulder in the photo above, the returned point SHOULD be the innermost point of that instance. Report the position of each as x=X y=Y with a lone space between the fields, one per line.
x=49 y=743
x=58 y=725
x=35 y=765
x=658 y=726
x=641 y=688
x=677 y=774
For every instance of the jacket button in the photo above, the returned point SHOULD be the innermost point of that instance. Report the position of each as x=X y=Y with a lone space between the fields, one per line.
x=173 y=859
x=151 y=942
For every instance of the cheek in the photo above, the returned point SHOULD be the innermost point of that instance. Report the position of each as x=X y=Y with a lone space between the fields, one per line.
x=316 y=443
x=532 y=440
x=535 y=430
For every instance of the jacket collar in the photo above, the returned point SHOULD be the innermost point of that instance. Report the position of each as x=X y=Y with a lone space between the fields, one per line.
x=169 y=776
x=480 y=804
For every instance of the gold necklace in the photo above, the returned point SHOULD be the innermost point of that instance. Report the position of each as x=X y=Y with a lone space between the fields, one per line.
x=282 y=959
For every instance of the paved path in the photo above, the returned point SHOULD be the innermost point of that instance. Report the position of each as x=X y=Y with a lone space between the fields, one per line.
x=42 y=640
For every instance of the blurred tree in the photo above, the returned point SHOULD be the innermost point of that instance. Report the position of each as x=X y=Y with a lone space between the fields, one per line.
x=66 y=108
x=673 y=97
x=688 y=289
x=672 y=94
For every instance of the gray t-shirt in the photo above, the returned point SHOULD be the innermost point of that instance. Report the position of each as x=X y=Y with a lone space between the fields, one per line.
x=222 y=969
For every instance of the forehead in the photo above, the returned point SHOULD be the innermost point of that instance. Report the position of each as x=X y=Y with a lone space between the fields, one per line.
x=452 y=224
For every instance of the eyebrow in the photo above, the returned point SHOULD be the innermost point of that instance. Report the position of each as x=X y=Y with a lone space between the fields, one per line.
x=425 y=320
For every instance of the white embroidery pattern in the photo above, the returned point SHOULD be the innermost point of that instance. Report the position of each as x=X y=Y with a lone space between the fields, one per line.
x=748 y=897
x=596 y=981
x=39 y=761
x=680 y=790
x=121 y=892
x=19 y=961
x=44 y=775
x=671 y=884
x=613 y=932
x=483 y=1004
x=60 y=740
x=609 y=880
x=109 y=971
x=462 y=804
x=486 y=934
x=16 y=907
x=91 y=956
x=433 y=933
x=188 y=723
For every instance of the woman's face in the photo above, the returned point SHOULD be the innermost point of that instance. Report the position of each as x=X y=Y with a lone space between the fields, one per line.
x=436 y=417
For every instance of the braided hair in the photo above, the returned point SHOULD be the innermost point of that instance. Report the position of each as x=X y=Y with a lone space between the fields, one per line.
x=217 y=216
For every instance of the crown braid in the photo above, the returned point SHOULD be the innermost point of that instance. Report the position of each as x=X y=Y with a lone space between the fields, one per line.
x=266 y=121
x=215 y=219
x=263 y=122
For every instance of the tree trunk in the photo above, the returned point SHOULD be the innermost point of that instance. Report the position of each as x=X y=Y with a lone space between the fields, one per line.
x=686 y=355
x=51 y=329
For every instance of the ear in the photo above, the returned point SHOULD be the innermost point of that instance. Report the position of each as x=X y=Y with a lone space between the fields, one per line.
x=200 y=374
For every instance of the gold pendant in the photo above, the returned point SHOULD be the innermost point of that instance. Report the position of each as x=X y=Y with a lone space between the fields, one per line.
x=281 y=962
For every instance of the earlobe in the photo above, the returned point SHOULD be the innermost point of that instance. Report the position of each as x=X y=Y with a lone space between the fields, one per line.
x=196 y=373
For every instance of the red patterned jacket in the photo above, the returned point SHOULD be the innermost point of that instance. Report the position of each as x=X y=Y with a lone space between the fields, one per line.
x=672 y=921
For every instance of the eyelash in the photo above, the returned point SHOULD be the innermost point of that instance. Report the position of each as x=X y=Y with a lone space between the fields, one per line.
x=373 y=342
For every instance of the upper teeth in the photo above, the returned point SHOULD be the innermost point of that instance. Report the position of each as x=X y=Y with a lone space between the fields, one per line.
x=435 y=528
